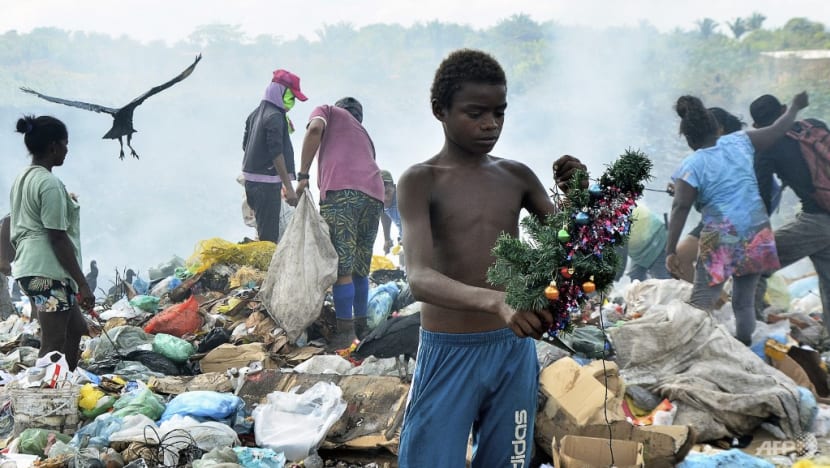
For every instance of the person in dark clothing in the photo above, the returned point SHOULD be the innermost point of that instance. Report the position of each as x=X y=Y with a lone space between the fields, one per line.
x=268 y=165
x=809 y=234
x=6 y=257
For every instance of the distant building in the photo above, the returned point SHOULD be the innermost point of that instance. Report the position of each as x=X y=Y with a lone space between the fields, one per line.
x=816 y=54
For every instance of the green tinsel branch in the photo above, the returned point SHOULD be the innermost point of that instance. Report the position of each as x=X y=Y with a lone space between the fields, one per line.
x=526 y=267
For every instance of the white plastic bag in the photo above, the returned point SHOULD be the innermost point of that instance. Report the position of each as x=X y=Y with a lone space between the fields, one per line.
x=324 y=364
x=296 y=423
x=303 y=267
x=122 y=309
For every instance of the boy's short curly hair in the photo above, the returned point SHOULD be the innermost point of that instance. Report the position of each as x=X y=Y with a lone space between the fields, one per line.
x=464 y=65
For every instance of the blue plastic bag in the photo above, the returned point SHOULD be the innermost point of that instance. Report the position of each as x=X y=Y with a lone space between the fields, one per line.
x=99 y=431
x=733 y=457
x=250 y=457
x=205 y=406
x=804 y=286
x=140 y=286
x=381 y=300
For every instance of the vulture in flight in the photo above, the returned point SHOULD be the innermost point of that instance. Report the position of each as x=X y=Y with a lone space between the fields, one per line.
x=122 y=124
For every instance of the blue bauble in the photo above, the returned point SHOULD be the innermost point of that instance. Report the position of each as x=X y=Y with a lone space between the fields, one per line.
x=595 y=190
x=582 y=218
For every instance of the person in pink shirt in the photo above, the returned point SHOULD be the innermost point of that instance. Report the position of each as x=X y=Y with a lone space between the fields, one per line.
x=351 y=201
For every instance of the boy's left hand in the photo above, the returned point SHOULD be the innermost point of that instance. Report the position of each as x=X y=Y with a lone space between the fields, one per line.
x=564 y=169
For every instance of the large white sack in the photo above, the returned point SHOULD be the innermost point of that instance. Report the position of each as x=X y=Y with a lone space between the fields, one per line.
x=303 y=267
x=683 y=354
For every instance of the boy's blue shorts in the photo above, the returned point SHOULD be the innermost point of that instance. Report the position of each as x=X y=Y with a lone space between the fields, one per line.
x=484 y=382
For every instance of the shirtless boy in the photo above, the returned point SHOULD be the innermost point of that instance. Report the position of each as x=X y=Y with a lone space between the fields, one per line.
x=476 y=368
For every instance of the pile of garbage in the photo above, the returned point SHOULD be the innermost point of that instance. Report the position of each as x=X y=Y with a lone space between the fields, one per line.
x=188 y=361
x=195 y=366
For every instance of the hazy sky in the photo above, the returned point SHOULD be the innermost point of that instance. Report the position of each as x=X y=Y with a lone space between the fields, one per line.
x=174 y=20
x=152 y=223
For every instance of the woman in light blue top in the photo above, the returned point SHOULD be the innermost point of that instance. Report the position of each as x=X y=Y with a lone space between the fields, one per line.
x=736 y=240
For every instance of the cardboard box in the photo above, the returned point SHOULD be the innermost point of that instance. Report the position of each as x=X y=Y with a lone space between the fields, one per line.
x=580 y=392
x=574 y=407
x=594 y=452
x=663 y=446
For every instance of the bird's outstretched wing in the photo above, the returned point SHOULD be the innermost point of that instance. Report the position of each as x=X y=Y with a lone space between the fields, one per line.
x=78 y=104
x=157 y=89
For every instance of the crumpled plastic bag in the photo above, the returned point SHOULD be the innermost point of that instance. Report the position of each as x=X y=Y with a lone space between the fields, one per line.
x=251 y=457
x=803 y=286
x=380 y=262
x=777 y=293
x=99 y=431
x=324 y=364
x=224 y=457
x=33 y=441
x=733 y=457
x=140 y=401
x=146 y=303
x=133 y=430
x=122 y=308
x=173 y=348
x=140 y=286
x=204 y=405
x=386 y=366
x=126 y=339
x=296 y=423
x=177 y=320
x=93 y=402
x=208 y=435
x=588 y=341
x=167 y=284
x=381 y=300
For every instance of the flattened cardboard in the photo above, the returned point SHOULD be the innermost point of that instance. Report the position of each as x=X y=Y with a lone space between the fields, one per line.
x=228 y=356
x=595 y=452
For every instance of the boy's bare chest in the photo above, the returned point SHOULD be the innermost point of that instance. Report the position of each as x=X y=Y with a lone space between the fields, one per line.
x=476 y=205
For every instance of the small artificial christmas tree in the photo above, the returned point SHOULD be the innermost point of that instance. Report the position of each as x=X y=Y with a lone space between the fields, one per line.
x=571 y=254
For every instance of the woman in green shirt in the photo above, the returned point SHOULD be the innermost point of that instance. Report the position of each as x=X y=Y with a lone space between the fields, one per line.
x=45 y=234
